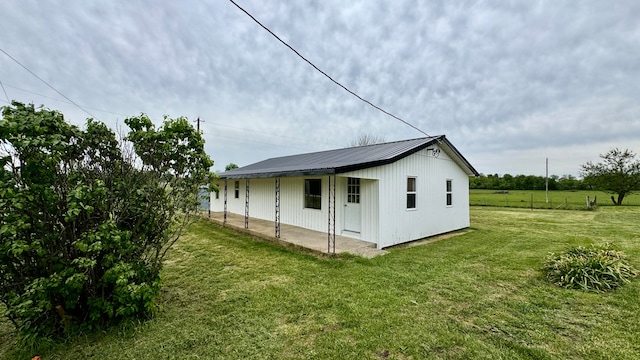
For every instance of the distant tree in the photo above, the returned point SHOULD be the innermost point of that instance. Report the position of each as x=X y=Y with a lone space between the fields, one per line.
x=231 y=166
x=618 y=173
x=477 y=182
x=518 y=182
x=506 y=183
x=85 y=221
x=367 y=139
x=569 y=182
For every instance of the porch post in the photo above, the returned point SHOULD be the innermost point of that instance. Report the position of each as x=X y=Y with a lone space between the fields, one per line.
x=331 y=223
x=277 y=207
x=246 y=206
x=224 y=216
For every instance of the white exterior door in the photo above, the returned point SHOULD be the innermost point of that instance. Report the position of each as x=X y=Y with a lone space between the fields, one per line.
x=352 y=206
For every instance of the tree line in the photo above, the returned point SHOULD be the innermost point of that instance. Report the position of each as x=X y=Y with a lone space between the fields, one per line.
x=527 y=182
x=618 y=173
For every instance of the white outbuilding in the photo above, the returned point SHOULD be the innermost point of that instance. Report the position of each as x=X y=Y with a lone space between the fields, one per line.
x=387 y=193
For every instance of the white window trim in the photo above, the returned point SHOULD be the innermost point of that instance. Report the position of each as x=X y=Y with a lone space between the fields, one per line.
x=304 y=195
x=447 y=193
x=414 y=192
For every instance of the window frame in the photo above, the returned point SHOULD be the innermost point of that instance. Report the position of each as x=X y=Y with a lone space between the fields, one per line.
x=236 y=189
x=353 y=190
x=412 y=193
x=312 y=201
x=449 y=192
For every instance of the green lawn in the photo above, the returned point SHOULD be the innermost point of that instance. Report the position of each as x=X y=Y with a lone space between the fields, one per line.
x=557 y=199
x=477 y=295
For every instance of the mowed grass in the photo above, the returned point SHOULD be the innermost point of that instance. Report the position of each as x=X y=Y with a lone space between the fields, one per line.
x=479 y=295
x=557 y=199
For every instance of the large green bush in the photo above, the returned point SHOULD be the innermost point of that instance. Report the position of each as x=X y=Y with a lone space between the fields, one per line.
x=85 y=220
x=593 y=268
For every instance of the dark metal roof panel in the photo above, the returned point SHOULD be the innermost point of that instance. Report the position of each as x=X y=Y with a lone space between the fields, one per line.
x=344 y=160
x=331 y=161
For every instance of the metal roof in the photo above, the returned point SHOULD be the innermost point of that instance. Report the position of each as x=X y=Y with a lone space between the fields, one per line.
x=344 y=160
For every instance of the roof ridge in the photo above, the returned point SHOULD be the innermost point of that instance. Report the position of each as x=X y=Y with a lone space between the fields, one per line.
x=336 y=159
x=393 y=142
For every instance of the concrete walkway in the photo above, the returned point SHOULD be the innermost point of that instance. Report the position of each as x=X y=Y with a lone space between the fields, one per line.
x=310 y=239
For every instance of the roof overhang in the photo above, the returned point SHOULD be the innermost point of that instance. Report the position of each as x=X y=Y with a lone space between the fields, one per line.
x=298 y=172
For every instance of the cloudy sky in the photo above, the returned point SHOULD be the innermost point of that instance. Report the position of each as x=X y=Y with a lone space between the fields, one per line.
x=509 y=83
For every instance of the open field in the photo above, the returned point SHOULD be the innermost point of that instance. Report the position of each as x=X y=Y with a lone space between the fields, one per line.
x=477 y=295
x=557 y=199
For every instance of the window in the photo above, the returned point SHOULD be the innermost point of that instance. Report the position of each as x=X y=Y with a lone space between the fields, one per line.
x=353 y=190
x=313 y=193
x=236 y=191
x=449 y=193
x=411 y=193
x=217 y=194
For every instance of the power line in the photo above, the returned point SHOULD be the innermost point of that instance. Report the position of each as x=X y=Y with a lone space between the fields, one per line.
x=49 y=85
x=325 y=74
x=297 y=139
x=213 y=123
x=261 y=142
x=62 y=101
x=209 y=122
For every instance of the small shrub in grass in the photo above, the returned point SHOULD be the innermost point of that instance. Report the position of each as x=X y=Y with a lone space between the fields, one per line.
x=593 y=268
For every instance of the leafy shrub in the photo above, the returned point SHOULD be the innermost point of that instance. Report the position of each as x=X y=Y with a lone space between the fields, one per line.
x=85 y=221
x=593 y=268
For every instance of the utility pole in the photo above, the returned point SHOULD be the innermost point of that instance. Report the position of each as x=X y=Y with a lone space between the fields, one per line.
x=198 y=124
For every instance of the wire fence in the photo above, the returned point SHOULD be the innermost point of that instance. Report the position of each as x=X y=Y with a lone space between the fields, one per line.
x=566 y=204
x=538 y=200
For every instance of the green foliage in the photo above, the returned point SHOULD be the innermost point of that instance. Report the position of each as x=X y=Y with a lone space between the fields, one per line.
x=594 y=268
x=526 y=182
x=85 y=221
x=618 y=173
x=230 y=166
x=473 y=296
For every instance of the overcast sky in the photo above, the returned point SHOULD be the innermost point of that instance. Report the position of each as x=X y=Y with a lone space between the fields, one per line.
x=509 y=83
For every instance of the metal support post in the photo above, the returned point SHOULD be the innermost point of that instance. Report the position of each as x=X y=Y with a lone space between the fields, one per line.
x=277 y=207
x=331 y=224
x=246 y=206
x=224 y=216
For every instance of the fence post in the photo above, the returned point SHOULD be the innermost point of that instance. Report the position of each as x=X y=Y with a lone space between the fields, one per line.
x=531 y=201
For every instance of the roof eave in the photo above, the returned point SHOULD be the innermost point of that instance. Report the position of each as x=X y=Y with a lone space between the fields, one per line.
x=275 y=174
x=442 y=140
x=461 y=159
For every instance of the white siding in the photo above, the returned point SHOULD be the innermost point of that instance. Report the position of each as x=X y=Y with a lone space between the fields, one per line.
x=369 y=193
x=431 y=216
x=262 y=201
x=385 y=220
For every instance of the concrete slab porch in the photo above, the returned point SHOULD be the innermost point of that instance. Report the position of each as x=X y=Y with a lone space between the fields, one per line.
x=310 y=239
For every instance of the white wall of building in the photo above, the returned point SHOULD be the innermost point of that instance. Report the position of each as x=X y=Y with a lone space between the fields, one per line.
x=385 y=219
x=262 y=201
x=432 y=216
